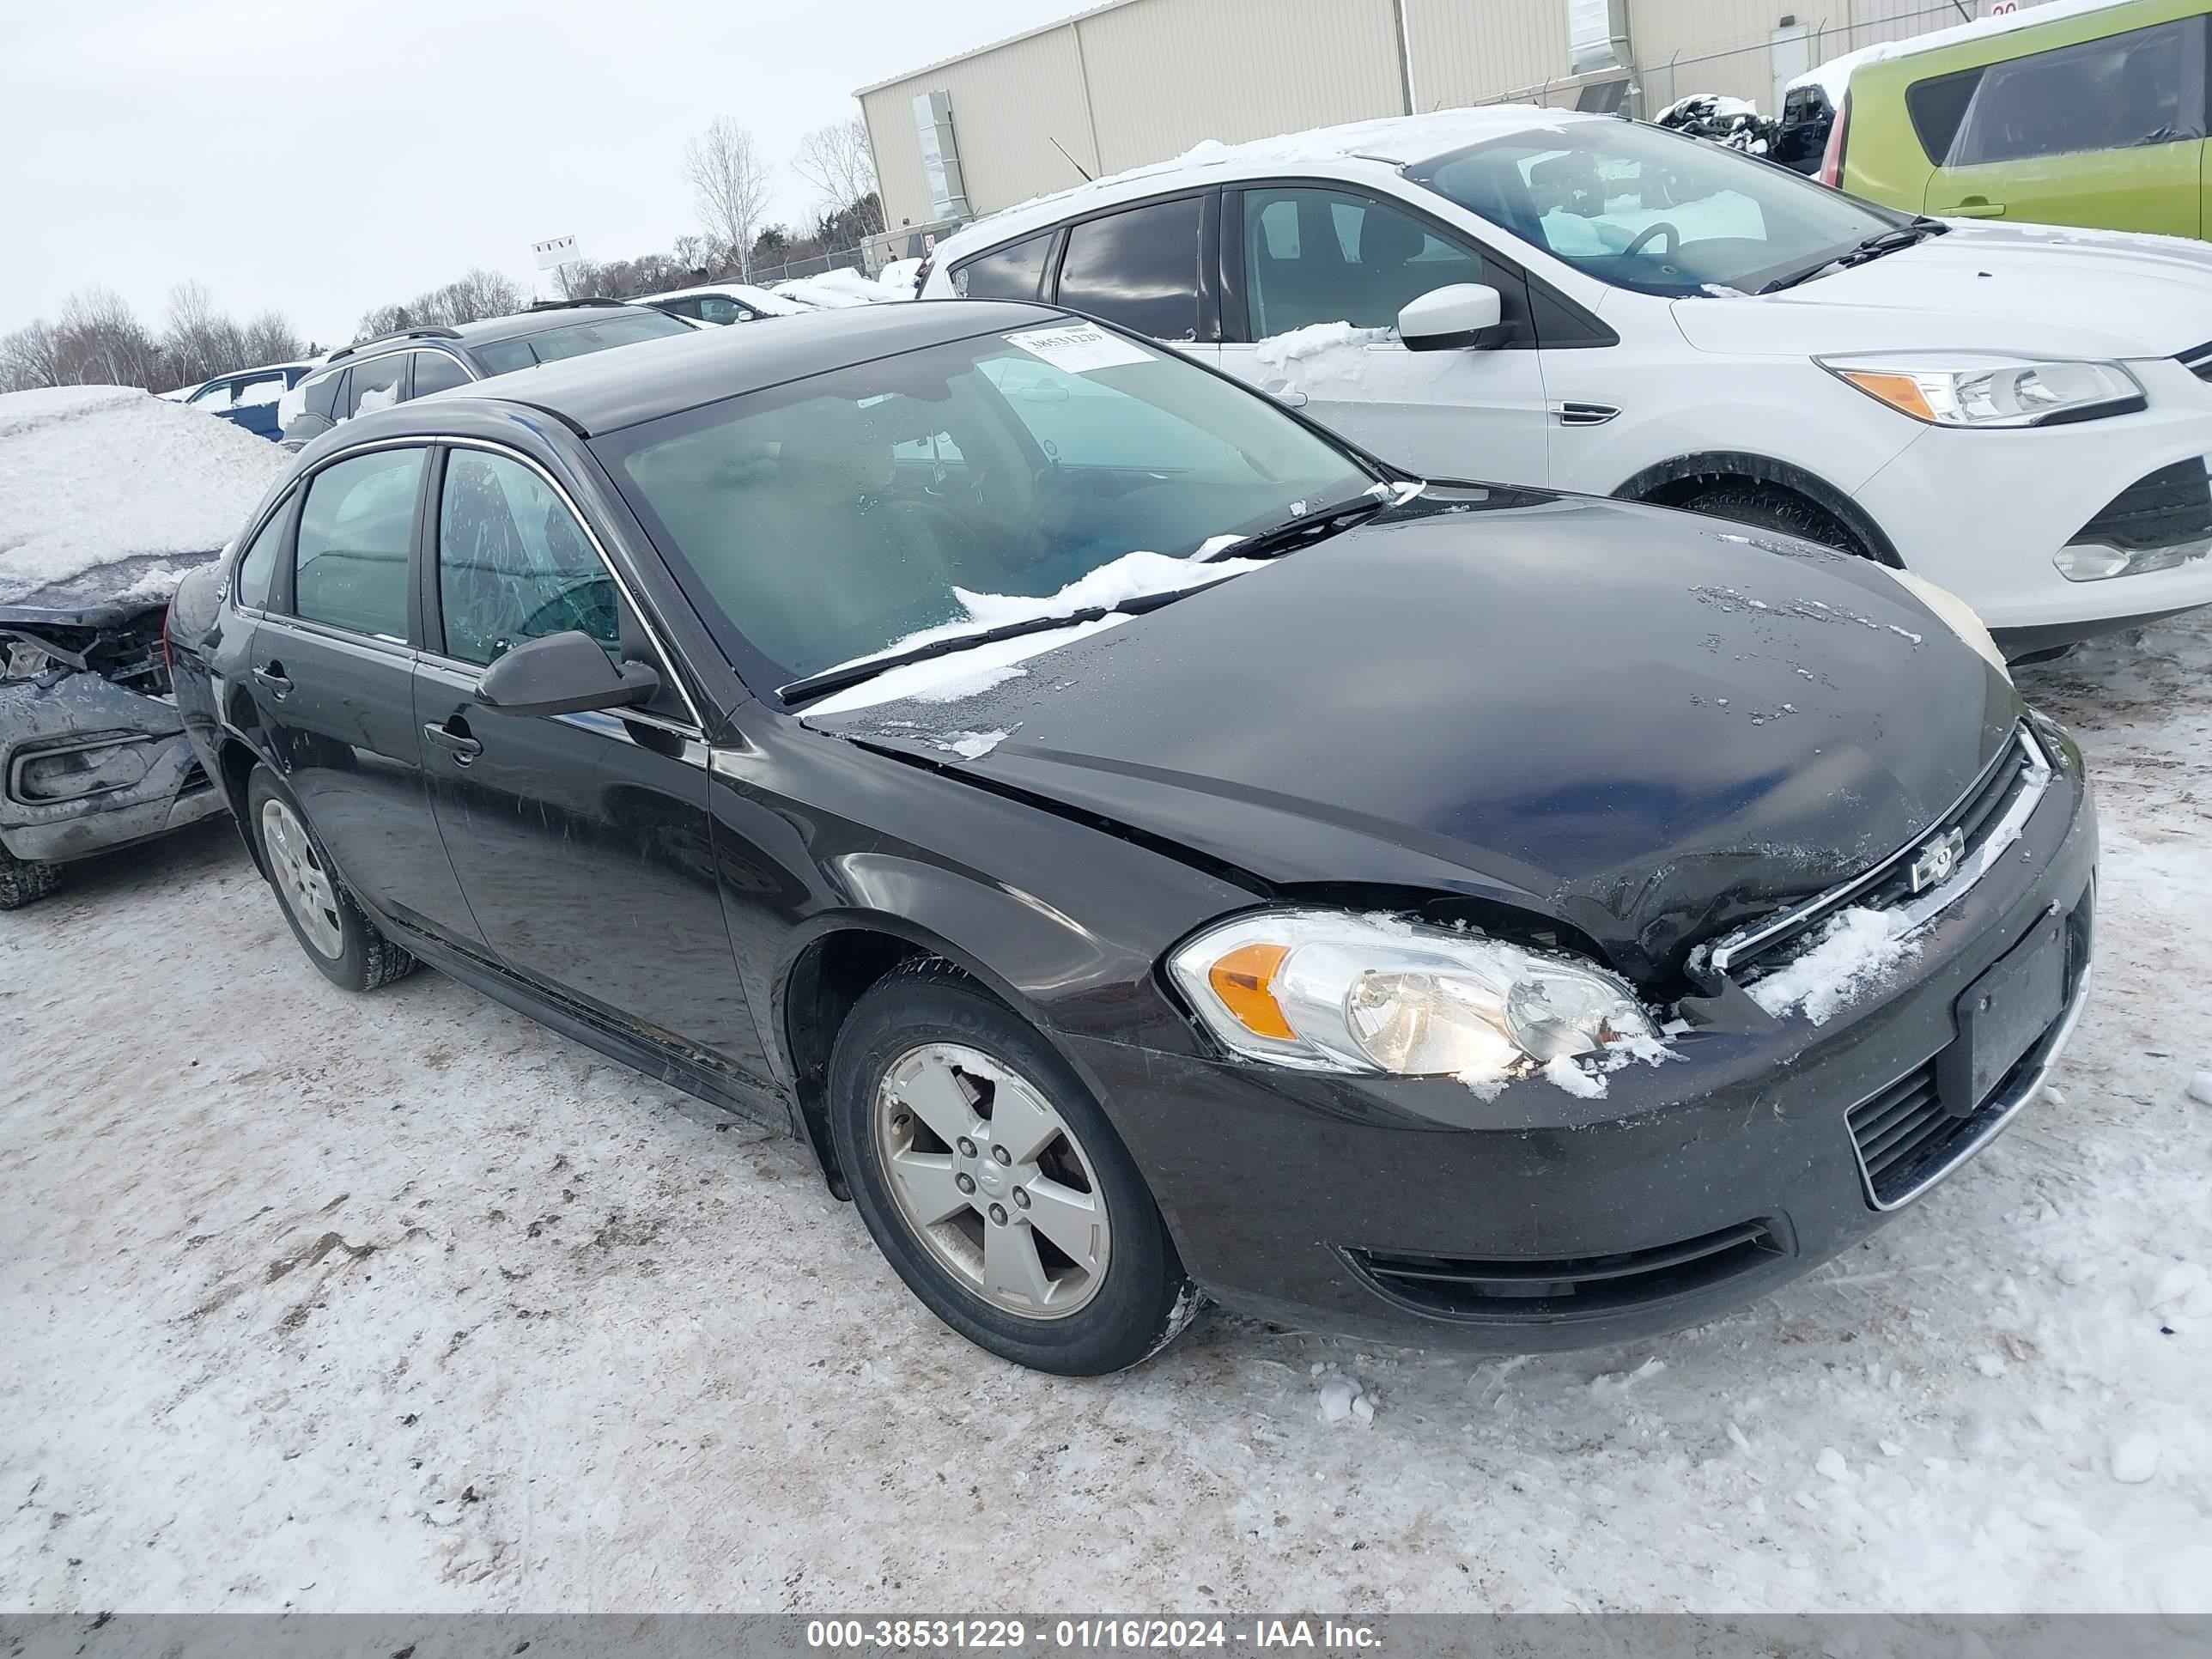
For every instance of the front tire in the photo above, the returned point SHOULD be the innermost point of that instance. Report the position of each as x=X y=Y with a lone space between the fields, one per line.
x=1765 y=507
x=25 y=881
x=331 y=927
x=993 y=1184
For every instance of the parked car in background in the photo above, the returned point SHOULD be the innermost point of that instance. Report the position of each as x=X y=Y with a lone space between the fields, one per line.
x=248 y=397
x=1801 y=132
x=413 y=362
x=2056 y=114
x=108 y=496
x=723 y=303
x=834 y=290
x=1534 y=296
x=1195 y=857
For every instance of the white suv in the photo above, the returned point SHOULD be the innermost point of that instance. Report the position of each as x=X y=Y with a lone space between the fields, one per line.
x=1531 y=296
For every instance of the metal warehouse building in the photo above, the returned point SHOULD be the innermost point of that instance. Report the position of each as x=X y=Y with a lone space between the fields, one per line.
x=1139 y=81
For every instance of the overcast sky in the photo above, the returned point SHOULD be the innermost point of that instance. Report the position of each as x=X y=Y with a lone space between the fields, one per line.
x=323 y=156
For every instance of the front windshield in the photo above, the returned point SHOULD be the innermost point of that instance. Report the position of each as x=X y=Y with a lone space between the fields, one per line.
x=1644 y=209
x=823 y=520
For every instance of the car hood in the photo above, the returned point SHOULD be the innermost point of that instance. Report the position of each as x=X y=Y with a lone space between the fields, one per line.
x=1640 y=724
x=1979 y=288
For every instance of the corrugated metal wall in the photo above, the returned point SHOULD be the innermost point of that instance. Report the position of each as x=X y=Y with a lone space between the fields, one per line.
x=1139 y=81
x=1469 y=53
x=1166 y=74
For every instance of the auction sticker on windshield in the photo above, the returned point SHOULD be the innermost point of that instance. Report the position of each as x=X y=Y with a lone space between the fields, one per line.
x=1079 y=348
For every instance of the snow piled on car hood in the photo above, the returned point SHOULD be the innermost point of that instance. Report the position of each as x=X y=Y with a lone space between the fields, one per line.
x=93 y=475
x=967 y=673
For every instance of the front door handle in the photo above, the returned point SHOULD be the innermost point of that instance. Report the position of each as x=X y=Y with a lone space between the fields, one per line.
x=1974 y=207
x=461 y=746
x=273 y=679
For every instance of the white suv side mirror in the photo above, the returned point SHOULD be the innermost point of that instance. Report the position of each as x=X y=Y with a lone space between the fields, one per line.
x=1444 y=319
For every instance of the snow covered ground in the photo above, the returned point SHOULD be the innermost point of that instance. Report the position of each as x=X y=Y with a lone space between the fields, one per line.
x=403 y=1302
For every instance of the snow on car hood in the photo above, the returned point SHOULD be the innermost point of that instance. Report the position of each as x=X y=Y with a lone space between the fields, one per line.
x=94 y=476
x=1982 y=288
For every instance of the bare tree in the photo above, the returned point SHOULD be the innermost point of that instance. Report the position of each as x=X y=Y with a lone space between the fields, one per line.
x=469 y=299
x=269 y=340
x=731 y=184
x=199 y=342
x=102 y=342
x=31 y=356
x=837 y=162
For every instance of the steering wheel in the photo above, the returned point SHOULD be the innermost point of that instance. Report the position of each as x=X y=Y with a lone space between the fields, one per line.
x=1664 y=228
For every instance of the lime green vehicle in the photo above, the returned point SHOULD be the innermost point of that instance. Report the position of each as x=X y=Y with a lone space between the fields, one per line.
x=2066 y=114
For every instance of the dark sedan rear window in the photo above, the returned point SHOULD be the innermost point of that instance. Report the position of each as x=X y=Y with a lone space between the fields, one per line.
x=576 y=339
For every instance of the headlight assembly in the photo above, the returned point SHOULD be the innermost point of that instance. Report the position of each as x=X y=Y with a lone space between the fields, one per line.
x=1954 y=613
x=1947 y=389
x=1328 y=991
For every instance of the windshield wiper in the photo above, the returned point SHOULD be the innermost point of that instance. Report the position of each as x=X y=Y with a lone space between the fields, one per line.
x=1873 y=248
x=1302 y=529
x=853 y=673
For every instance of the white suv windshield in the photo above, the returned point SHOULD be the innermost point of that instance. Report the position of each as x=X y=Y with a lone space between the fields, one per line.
x=1652 y=210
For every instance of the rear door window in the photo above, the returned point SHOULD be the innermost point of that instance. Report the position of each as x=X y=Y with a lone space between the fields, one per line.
x=1014 y=272
x=437 y=371
x=2145 y=87
x=1137 y=268
x=356 y=528
x=514 y=564
x=214 y=398
x=257 y=568
x=378 y=384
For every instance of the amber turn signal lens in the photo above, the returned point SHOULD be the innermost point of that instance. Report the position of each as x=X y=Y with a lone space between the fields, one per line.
x=1900 y=392
x=1241 y=979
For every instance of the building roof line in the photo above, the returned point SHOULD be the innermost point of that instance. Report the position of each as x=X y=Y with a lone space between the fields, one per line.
x=991 y=46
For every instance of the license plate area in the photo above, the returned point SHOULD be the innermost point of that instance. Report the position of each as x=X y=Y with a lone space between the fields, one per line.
x=2002 y=1015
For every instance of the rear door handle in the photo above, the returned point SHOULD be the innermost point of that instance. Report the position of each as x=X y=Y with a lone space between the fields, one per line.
x=463 y=749
x=273 y=677
x=1974 y=207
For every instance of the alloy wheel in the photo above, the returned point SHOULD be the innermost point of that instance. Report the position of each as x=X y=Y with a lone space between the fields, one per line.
x=301 y=880
x=991 y=1179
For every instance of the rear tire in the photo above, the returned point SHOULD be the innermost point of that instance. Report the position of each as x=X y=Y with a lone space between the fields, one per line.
x=25 y=881
x=331 y=927
x=928 y=1064
x=1765 y=506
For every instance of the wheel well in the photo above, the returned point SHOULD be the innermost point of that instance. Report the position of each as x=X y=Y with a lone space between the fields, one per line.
x=831 y=974
x=1676 y=482
x=238 y=762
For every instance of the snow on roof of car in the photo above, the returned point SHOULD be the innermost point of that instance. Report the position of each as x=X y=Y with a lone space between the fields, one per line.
x=833 y=290
x=1394 y=139
x=95 y=475
x=1834 y=77
x=759 y=298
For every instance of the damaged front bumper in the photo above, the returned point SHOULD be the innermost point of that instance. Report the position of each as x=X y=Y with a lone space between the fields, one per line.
x=90 y=762
x=1411 y=1210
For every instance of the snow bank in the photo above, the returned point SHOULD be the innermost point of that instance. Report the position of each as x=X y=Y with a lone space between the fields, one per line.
x=1855 y=951
x=967 y=673
x=92 y=475
x=833 y=290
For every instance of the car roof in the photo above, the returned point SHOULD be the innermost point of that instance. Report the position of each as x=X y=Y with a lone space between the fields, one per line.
x=1394 y=141
x=759 y=298
x=605 y=391
x=486 y=331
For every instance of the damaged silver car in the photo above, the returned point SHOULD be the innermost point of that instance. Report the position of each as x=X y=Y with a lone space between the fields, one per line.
x=93 y=754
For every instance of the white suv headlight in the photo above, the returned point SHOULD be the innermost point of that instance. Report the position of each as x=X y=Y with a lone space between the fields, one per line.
x=1953 y=612
x=1328 y=991
x=1945 y=389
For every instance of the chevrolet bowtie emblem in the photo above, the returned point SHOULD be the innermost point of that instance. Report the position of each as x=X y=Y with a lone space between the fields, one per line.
x=1933 y=863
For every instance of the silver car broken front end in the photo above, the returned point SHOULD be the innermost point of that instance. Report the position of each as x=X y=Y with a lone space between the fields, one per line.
x=93 y=754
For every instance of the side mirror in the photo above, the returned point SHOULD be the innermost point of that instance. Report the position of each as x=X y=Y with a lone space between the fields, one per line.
x=1446 y=318
x=563 y=674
